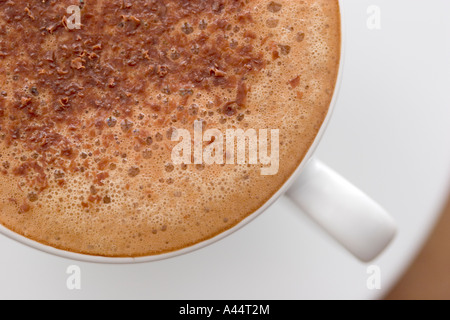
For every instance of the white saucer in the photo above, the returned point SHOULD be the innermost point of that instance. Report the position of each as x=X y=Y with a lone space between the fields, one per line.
x=390 y=136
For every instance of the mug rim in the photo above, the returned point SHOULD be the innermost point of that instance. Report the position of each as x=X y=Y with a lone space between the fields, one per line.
x=167 y=255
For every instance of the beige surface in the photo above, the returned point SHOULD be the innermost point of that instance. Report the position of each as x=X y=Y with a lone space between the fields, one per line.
x=429 y=276
x=115 y=181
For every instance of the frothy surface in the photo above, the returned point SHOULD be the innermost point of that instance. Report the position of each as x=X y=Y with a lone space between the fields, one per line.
x=86 y=115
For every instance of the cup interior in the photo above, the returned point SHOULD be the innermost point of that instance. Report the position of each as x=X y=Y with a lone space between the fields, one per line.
x=128 y=260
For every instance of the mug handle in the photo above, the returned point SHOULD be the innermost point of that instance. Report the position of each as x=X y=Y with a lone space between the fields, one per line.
x=356 y=221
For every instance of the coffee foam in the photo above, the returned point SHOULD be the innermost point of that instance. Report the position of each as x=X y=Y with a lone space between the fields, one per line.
x=147 y=205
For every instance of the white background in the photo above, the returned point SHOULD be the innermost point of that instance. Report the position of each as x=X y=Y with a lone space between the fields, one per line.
x=390 y=136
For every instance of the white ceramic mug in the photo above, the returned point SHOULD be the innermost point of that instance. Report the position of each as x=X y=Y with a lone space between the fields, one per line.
x=357 y=222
